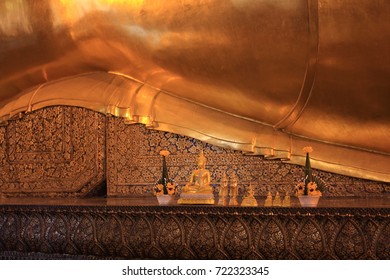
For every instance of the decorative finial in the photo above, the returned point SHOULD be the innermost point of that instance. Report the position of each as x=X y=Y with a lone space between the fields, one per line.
x=268 y=200
x=277 y=201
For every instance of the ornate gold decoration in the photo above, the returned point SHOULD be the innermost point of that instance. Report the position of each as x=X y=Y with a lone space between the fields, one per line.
x=286 y=200
x=277 y=200
x=233 y=194
x=223 y=191
x=59 y=151
x=56 y=151
x=249 y=199
x=198 y=190
x=133 y=165
x=268 y=200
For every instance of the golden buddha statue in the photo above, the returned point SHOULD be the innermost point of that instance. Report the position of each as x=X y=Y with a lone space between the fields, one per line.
x=200 y=178
x=198 y=189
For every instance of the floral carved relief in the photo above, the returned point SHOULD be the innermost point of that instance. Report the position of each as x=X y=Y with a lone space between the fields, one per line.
x=55 y=151
x=152 y=232
x=134 y=165
x=61 y=151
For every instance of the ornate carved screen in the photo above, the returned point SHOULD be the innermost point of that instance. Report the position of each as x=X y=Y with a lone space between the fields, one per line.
x=56 y=151
x=134 y=165
x=61 y=151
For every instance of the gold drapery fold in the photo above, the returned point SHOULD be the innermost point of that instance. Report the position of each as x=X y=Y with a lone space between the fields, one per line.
x=140 y=103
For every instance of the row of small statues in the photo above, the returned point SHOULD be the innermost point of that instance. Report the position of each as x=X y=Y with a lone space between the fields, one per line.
x=277 y=200
x=249 y=199
x=199 y=191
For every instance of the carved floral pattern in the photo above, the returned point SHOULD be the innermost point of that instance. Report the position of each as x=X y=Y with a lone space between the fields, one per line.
x=272 y=243
x=309 y=241
x=134 y=165
x=170 y=236
x=55 y=151
x=61 y=151
x=350 y=243
x=153 y=232
x=202 y=239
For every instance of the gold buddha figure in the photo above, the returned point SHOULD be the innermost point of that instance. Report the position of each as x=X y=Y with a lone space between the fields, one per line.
x=198 y=189
x=200 y=178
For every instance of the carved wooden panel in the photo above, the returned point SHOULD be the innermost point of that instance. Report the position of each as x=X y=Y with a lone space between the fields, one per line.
x=134 y=165
x=56 y=151
x=153 y=232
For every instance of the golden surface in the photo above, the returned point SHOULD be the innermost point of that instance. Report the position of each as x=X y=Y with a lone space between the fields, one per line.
x=195 y=201
x=265 y=77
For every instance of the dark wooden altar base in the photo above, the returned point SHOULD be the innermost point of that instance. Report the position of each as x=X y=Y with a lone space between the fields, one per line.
x=137 y=228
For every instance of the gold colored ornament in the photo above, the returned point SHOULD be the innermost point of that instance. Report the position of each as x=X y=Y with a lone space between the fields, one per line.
x=233 y=191
x=287 y=200
x=277 y=201
x=249 y=199
x=198 y=189
x=223 y=191
x=268 y=200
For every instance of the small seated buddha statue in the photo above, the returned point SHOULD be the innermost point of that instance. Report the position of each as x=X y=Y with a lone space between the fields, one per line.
x=200 y=178
x=198 y=189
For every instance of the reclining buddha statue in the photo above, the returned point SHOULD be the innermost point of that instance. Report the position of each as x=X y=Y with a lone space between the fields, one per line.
x=198 y=189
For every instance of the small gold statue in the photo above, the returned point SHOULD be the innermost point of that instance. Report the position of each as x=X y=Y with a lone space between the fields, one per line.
x=233 y=191
x=249 y=199
x=223 y=190
x=287 y=200
x=198 y=189
x=277 y=201
x=268 y=200
x=200 y=178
